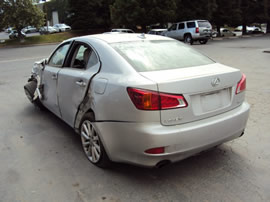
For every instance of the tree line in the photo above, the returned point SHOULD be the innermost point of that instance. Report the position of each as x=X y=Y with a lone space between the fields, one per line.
x=105 y=14
x=85 y=14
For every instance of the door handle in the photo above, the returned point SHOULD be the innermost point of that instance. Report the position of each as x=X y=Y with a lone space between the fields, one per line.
x=81 y=83
x=54 y=76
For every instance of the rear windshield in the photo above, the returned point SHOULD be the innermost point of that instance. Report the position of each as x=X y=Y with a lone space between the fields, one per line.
x=204 y=24
x=160 y=55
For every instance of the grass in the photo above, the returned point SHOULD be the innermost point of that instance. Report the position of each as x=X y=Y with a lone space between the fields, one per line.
x=43 y=39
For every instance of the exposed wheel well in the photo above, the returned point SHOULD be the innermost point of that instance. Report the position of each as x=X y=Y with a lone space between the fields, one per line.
x=81 y=113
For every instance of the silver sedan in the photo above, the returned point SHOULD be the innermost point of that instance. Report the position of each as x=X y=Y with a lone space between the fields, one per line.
x=141 y=99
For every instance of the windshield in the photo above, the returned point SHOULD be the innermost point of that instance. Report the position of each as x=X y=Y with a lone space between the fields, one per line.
x=160 y=55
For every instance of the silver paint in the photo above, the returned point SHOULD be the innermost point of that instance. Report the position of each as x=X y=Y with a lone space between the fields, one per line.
x=127 y=132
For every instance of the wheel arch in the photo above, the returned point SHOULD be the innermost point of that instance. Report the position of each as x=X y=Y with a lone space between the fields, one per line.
x=85 y=108
x=187 y=33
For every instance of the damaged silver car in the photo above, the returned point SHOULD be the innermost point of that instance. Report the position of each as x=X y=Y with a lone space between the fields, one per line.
x=141 y=99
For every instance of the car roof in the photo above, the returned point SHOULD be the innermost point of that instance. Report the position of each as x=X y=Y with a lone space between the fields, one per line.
x=158 y=30
x=192 y=21
x=116 y=38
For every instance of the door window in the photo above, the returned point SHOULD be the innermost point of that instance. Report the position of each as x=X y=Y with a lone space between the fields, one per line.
x=173 y=27
x=181 y=26
x=57 y=59
x=83 y=57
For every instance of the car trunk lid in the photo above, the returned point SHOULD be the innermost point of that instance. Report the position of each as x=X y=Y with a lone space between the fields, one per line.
x=209 y=90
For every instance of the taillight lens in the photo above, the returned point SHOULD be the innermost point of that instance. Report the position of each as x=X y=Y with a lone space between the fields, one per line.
x=152 y=100
x=241 y=86
x=197 y=30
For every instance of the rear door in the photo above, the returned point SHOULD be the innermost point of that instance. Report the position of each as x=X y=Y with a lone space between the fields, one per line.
x=50 y=76
x=74 y=78
x=180 y=31
x=191 y=27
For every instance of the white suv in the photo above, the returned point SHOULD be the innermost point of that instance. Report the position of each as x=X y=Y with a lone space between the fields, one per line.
x=190 y=31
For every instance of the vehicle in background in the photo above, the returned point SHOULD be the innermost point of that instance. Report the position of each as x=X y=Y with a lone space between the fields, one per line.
x=190 y=31
x=249 y=29
x=139 y=98
x=224 y=32
x=61 y=27
x=8 y=30
x=30 y=29
x=47 y=30
x=256 y=30
x=123 y=30
x=14 y=34
x=157 y=31
x=214 y=33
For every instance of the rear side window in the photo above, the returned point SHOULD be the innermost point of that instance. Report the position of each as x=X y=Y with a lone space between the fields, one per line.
x=181 y=26
x=159 y=55
x=204 y=24
x=82 y=57
x=191 y=24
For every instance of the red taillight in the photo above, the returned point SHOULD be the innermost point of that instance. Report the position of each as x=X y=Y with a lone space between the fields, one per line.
x=158 y=150
x=241 y=86
x=197 y=30
x=151 y=100
x=172 y=101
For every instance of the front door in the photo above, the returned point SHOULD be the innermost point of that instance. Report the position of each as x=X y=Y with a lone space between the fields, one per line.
x=74 y=78
x=50 y=76
x=172 y=32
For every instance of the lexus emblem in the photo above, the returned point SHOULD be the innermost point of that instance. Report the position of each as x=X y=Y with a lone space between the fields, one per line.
x=215 y=82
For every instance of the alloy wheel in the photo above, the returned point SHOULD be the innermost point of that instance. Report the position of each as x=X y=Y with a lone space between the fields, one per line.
x=90 y=142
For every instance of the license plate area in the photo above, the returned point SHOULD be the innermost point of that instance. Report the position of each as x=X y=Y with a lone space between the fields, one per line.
x=211 y=101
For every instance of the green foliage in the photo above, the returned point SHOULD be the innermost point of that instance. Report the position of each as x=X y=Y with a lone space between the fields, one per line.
x=130 y=13
x=85 y=14
x=21 y=13
x=201 y=9
x=226 y=13
x=1 y=15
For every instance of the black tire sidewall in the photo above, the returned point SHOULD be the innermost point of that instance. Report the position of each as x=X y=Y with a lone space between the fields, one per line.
x=186 y=37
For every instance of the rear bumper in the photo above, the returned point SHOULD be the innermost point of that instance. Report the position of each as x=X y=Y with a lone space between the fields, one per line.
x=199 y=37
x=126 y=142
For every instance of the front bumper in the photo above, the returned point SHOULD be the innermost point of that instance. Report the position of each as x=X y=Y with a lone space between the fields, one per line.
x=126 y=142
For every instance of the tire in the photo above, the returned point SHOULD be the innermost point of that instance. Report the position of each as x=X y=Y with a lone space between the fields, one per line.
x=29 y=90
x=203 y=41
x=91 y=143
x=188 y=39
